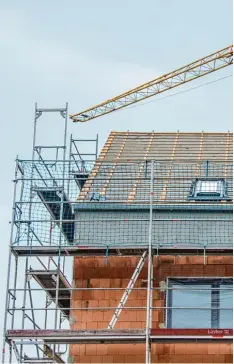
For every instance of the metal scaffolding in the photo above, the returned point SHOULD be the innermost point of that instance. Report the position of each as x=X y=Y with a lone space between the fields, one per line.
x=142 y=209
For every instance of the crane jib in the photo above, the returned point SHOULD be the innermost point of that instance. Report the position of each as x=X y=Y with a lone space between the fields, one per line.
x=187 y=73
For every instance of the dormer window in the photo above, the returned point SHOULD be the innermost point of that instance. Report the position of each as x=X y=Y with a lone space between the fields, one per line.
x=208 y=189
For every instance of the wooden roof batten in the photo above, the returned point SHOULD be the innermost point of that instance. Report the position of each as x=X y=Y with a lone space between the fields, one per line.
x=129 y=149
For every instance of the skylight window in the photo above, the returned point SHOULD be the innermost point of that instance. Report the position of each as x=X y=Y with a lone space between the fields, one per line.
x=208 y=189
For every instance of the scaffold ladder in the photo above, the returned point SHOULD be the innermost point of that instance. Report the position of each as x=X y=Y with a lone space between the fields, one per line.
x=127 y=291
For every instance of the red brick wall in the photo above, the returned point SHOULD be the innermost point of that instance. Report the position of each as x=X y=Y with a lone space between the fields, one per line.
x=95 y=272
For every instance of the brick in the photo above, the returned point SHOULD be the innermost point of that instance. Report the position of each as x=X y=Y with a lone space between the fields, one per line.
x=173 y=359
x=228 y=358
x=77 y=295
x=137 y=303
x=82 y=359
x=112 y=261
x=115 y=283
x=158 y=303
x=105 y=283
x=97 y=316
x=155 y=316
x=169 y=348
x=209 y=270
x=103 y=303
x=107 y=295
x=119 y=359
x=181 y=259
x=79 y=326
x=213 y=349
x=116 y=294
x=102 y=324
x=112 y=349
x=91 y=349
x=89 y=273
x=164 y=358
x=221 y=271
x=155 y=359
x=180 y=348
x=194 y=358
x=196 y=260
x=128 y=261
x=219 y=358
x=225 y=348
x=107 y=359
x=77 y=303
x=141 y=315
x=98 y=262
x=196 y=270
x=81 y=283
x=134 y=261
x=124 y=325
x=88 y=295
x=141 y=294
x=108 y=315
x=165 y=271
x=214 y=260
x=98 y=295
x=228 y=270
x=134 y=359
x=137 y=349
x=208 y=358
x=114 y=303
x=156 y=260
x=168 y=259
x=132 y=315
x=87 y=316
x=124 y=283
x=81 y=349
x=133 y=325
x=96 y=359
x=93 y=303
x=92 y=325
x=95 y=283
x=228 y=260
x=195 y=348
x=85 y=262
x=157 y=349
x=101 y=349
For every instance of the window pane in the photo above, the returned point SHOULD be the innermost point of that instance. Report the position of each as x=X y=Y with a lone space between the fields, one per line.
x=191 y=319
x=196 y=297
x=226 y=300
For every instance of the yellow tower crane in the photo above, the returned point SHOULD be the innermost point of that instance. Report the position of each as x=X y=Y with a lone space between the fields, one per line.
x=189 y=72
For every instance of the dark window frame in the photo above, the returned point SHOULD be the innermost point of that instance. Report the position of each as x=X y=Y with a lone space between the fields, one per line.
x=215 y=296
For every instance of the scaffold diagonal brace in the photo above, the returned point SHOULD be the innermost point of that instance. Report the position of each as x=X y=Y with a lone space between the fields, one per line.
x=127 y=291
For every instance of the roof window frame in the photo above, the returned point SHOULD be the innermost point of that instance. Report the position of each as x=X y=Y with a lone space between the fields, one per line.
x=209 y=195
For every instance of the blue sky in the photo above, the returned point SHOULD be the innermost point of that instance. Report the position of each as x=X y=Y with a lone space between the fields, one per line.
x=83 y=52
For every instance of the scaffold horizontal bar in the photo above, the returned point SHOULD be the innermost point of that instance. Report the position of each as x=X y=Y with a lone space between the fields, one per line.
x=118 y=250
x=51 y=110
x=117 y=336
x=81 y=336
x=50 y=146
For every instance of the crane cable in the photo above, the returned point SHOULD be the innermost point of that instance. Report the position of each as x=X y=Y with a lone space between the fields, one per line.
x=175 y=94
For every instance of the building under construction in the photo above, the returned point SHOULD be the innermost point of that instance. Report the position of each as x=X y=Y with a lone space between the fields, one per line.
x=123 y=256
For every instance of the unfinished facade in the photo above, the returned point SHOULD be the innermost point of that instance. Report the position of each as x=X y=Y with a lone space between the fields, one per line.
x=135 y=170
x=125 y=257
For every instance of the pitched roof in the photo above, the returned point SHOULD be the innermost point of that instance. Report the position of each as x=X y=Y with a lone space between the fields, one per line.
x=122 y=171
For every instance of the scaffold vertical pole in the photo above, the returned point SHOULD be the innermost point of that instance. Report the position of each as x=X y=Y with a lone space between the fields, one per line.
x=64 y=115
x=150 y=268
x=9 y=264
x=96 y=151
x=36 y=116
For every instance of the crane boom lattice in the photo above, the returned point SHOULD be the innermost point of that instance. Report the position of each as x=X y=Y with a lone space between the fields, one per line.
x=189 y=72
